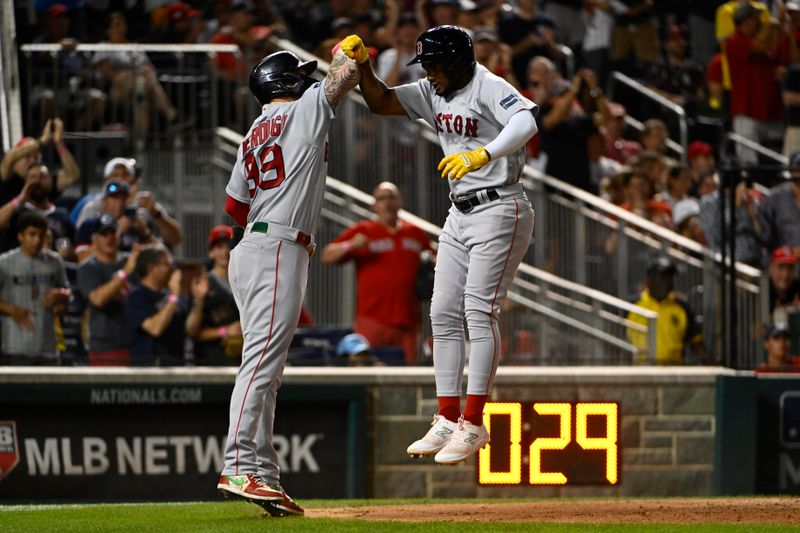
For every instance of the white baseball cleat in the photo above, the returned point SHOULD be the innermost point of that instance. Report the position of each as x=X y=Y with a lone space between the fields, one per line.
x=467 y=440
x=435 y=439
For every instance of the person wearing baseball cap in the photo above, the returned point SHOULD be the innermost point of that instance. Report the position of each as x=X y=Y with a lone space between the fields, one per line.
x=700 y=158
x=105 y=280
x=114 y=198
x=784 y=286
x=676 y=327
x=152 y=214
x=355 y=350
x=686 y=219
x=116 y=168
x=777 y=345
x=218 y=337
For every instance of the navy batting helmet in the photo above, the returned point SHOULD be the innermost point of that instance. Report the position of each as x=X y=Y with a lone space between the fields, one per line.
x=449 y=45
x=279 y=75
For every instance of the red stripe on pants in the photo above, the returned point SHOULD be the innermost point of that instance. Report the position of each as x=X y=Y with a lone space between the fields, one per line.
x=263 y=352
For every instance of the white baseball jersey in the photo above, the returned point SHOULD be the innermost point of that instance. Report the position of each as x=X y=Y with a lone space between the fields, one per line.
x=283 y=161
x=469 y=119
x=280 y=171
x=480 y=249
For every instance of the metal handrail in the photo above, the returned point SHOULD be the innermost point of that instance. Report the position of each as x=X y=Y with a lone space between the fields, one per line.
x=580 y=326
x=632 y=218
x=135 y=47
x=368 y=199
x=752 y=145
x=639 y=126
x=661 y=100
x=569 y=59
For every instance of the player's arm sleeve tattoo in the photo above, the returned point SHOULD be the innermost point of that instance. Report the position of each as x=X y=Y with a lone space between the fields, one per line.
x=343 y=75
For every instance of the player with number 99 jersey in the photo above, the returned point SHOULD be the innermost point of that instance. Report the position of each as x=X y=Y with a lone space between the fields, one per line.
x=275 y=190
x=283 y=160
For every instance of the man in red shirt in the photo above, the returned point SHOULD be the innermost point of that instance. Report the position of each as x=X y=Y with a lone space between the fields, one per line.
x=757 y=57
x=386 y=252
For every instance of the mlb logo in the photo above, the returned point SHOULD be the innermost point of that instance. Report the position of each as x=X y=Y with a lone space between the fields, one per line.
x=790 y=419
x=419 y=48
x=9 y=451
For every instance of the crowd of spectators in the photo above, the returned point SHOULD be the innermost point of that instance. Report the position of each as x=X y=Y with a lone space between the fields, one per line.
x=687 y=51
x=101 y=261
x=733 y=63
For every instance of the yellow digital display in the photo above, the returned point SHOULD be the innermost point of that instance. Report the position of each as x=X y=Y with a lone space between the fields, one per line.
x=561 y=443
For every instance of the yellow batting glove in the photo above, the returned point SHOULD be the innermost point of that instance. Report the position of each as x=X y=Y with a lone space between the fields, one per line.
x=353 y=47
x=457 y=165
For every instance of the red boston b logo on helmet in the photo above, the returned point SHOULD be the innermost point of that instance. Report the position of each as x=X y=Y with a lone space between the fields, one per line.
x=419 y=48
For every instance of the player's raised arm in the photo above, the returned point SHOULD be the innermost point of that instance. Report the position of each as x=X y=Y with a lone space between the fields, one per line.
x=381 y=99
x=343 y=75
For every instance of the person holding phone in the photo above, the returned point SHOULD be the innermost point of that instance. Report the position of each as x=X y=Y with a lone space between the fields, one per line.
x=132 y=229
x=145 y=204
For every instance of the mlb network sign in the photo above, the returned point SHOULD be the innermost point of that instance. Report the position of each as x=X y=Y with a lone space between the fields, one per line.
x=134 y=444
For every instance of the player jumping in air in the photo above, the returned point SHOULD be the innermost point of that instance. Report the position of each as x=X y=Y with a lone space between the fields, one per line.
x=483 y=124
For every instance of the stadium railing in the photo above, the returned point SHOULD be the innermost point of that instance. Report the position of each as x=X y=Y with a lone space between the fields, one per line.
x=547 y=320
x=597 y=243
x=764 y=152
x=677 y=112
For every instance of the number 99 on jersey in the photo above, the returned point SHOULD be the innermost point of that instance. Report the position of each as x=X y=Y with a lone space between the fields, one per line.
x=550 y=443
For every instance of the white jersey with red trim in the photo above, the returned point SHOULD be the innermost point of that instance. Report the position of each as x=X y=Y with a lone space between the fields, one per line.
x=283 y=161
x=484 y=239
x=280 y=172
x=469 y=119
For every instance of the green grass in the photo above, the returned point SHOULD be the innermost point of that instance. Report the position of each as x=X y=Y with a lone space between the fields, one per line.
x=230 y=517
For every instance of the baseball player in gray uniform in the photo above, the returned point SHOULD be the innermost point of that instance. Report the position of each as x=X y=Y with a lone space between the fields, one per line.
x=483 y=124
x=275 y=191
